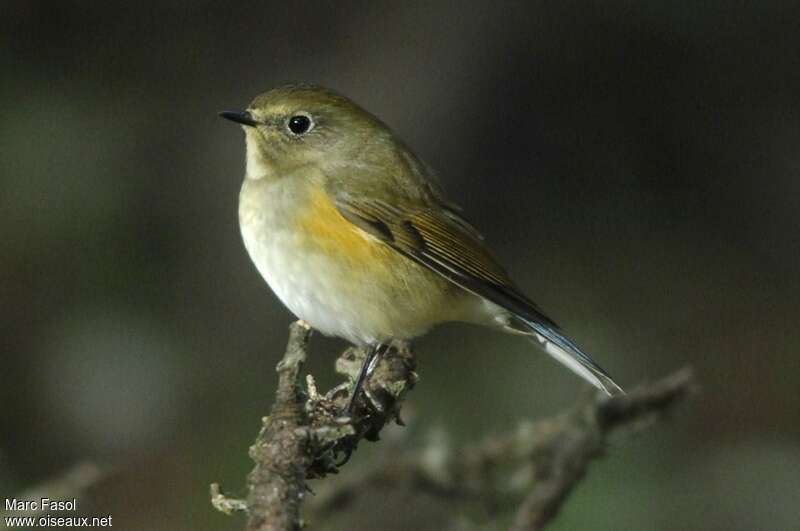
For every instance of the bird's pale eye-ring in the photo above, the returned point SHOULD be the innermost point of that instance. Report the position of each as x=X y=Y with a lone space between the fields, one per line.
x=300 y=123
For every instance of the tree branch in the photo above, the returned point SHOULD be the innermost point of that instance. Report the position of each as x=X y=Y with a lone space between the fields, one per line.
x=306 y=436
x=572 y=441
x=533 y=467
x=277 y=483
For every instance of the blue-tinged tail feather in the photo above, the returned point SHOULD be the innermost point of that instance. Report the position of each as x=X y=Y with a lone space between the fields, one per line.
x=571 y=356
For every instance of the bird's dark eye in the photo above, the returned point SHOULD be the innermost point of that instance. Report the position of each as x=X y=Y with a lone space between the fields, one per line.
x=300 y=124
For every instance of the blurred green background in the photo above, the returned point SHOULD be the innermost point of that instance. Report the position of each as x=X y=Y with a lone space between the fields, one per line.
x=635 y=164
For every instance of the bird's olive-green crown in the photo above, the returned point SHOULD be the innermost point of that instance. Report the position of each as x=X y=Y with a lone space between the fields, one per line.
x=301 y=124
x=281 y=101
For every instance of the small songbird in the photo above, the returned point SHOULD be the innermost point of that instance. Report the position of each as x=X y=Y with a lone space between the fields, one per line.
x=353 y=234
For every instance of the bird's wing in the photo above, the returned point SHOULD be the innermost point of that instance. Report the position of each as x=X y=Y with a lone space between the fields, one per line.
x=445 y=243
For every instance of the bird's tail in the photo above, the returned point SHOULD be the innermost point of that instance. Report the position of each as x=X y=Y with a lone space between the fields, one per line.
x=567 y=353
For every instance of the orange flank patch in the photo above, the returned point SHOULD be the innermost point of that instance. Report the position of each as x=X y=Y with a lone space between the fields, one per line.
x=337 y=237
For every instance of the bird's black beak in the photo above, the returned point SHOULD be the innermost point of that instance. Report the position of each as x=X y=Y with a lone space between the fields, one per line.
x=240 y=117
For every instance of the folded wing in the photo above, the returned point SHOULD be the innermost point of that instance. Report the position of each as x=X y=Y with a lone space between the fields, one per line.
x=442 y=241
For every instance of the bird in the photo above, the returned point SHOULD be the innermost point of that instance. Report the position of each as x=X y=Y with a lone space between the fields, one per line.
x=353 y=233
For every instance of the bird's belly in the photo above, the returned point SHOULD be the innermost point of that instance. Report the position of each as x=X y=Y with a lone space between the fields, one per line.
x=342 y=281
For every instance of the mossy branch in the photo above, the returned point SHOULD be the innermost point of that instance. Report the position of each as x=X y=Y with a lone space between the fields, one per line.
x=306 y=436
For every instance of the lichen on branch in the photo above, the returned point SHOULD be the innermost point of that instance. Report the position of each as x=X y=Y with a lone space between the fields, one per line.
x=307 y=435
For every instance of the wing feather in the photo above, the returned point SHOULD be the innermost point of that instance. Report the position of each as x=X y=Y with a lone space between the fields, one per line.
x=445 y=243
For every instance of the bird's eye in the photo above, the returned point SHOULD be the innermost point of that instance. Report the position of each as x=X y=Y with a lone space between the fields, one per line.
x=300 y=124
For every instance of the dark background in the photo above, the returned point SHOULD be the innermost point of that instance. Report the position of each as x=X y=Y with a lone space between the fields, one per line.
x=635 y=164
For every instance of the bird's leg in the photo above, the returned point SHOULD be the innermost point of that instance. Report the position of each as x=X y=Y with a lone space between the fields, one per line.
x=371 y=359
